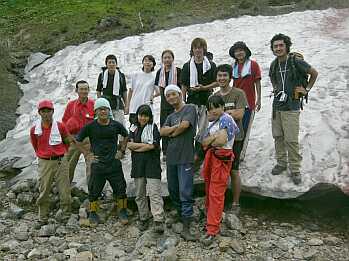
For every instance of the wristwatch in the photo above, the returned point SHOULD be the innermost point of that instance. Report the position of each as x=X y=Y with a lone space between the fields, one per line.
x=307 y=89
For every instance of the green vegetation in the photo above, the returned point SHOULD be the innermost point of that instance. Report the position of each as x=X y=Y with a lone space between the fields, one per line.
x=50 y=25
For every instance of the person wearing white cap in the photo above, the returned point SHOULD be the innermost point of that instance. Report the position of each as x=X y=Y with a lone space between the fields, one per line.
x=106 y=165
x=180 y=127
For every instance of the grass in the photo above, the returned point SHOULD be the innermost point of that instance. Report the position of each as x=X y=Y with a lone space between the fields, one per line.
x=50 y=25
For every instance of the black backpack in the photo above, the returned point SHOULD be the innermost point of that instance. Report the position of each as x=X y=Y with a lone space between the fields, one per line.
x=299 y=76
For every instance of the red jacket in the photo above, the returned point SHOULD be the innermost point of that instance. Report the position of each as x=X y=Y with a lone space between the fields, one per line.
x=77 y=115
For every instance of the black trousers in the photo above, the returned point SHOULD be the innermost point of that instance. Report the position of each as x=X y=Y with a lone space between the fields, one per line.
x=102 y=172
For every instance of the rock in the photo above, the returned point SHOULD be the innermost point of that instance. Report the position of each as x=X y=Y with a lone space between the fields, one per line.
x=332 y=241
x=22 y=186
x=73 y=221
x=83 y=256
x=16 y=211
x=108 y=237
x=232 y=221
x=71 y=252
x=9 y=245
x=34 y=60
x=310 y=254
x=146 y=240
x=25 y=198
x=58 y=257
x=298 y=253
x=21 y=233
x=315 y=242
x=224 y=244
x=55 y=241
x=62 y=230
x=6 y=164
x=35 y=253
x=132 y=232
x=169 y=254
x=177 y=227
x=74 y=245
x=11 y=195
x=237 y=247
x=47 y=230
x=166 y=243
x=114 y=252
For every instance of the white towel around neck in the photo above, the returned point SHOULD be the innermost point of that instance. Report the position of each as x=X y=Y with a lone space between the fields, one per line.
x=172 y=77
x=194 y=72
x=116 y=83
x=147 y=134
x=55 y=135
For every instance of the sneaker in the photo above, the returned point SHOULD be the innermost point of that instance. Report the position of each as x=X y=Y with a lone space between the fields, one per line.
x=123 y=216
x=158 y=227
x=208 y=240
x=278 y=169
x=143 y=225
x=94 y=219
x=296 y=178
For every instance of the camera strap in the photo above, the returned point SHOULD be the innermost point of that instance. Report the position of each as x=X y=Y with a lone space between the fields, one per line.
x=283 y=74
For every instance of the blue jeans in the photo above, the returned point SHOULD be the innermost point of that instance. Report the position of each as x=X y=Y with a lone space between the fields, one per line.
x=180 y=181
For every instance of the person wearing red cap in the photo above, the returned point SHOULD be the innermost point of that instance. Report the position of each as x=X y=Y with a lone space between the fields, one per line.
x=49 y=139
x=247 y=77
x=77 y=114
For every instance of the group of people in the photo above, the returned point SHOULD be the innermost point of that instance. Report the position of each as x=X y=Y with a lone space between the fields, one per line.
x=206 y=114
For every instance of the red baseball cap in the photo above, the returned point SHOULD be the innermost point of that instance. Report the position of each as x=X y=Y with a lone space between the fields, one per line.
x=45 y=104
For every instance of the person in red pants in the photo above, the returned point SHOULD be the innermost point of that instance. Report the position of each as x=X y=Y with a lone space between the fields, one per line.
x=217 y=164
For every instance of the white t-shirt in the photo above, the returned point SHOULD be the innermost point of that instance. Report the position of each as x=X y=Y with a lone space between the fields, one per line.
x=142 y=85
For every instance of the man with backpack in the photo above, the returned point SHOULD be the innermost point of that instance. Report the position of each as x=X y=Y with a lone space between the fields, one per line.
x=289 y=78
x=112 y=86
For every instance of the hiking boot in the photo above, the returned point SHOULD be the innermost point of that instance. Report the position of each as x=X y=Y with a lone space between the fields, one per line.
x=143 y=225
x=121 y=204
x=93 y=216
x=208 y=240
x=94 y=219
x=235 y=209
x=41 y=222
x=186 y=234
x=296 y=178
x=278 y=169
x=158 y=227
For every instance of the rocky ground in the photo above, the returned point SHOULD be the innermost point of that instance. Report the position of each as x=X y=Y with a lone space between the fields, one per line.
x=249 y=237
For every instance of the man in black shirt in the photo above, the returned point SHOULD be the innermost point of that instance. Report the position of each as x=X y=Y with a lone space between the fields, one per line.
x=112 y=86
x=286 y=74
x=106 y=165
x=198 y=79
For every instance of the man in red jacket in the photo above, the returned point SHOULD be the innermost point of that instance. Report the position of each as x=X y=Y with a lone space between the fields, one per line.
x=48 y=138
x=77 y=114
